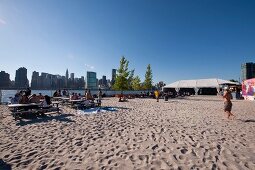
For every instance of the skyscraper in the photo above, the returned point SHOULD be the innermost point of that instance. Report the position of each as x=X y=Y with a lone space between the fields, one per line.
x=67 y=77
x=21 y=80
x=247 y=71
x=104 y=81
x=113 y=76
x=35 y=80
x=72 y=76
x=4 y=80
x=91 y=80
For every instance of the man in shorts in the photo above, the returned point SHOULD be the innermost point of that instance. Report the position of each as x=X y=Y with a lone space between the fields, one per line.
x=156 y=93
x=227 y=96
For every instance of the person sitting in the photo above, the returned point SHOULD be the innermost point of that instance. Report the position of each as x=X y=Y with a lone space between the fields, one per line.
x=71 y=96
x=88 y=96
x=40 y=96
x=28 y=92
x=74 y=96
x=34 y=99
x=59 y=93
x=64 y=92
x=122 y=98
x=79 y=96
x=15 y=99
x=23 y=99
x=46 y=102
x=55 y=94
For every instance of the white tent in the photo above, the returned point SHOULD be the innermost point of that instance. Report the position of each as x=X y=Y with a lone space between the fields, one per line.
x=199 y=83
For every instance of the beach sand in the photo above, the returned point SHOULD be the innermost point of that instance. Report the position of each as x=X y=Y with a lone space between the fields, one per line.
x=185 y=133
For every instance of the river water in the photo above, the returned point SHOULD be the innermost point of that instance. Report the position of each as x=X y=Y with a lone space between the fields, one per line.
x=6 y=94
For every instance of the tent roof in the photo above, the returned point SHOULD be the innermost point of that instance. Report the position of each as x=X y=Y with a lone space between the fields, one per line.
x=199 y=83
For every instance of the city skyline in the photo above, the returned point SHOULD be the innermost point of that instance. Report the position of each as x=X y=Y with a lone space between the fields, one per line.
x=180 y=39
x=54 y=81
x=57 y=74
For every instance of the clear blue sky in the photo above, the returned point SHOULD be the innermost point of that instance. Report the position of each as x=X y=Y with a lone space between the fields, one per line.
x=181 y=39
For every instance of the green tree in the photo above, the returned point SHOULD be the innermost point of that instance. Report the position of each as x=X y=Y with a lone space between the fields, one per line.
x=121 y=82
x=160 y=84
x=148 y=78
x=136 y=83
x=130 y=79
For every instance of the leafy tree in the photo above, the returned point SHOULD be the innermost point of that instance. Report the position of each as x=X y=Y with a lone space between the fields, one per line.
x=121 y=82
x=148 y=78
x=136 y=83
x=160 y=84
x=130 y=79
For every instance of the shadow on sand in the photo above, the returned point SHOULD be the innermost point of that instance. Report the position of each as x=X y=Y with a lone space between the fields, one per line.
x=124 y=108
x=196 y=99
x=45 y=118
x=4 y=165
x=246 y=121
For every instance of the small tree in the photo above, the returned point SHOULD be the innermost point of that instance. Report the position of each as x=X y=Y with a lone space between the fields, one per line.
x=121 y=82
x=136 y=83
x=148 y=78
x=160 y=84
x=130 y=79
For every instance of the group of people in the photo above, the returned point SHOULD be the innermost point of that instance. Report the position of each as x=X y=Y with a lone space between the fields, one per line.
x=59 y=93
x=227 y=96
x=78 y=96
x=25 y=97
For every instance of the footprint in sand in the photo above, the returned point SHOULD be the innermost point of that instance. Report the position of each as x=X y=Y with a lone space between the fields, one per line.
x=184 y=151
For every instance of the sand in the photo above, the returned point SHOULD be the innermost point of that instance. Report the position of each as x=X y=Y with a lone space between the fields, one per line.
x=185 y=133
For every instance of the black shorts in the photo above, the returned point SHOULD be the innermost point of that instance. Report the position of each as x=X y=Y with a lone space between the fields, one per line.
x=227 y=106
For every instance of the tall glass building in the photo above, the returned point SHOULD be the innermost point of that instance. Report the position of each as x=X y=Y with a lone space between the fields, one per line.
x=113 y=76
x=21 y=80
x=91 y=80
x=247 y=71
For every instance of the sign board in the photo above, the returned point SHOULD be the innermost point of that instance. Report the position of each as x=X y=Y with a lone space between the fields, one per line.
x=248 y=89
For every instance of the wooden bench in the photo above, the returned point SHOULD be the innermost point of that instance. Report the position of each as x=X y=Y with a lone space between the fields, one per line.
x=39 y=111
x=17 y=110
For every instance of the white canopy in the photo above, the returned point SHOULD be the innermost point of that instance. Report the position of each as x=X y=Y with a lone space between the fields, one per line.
x=199 y=83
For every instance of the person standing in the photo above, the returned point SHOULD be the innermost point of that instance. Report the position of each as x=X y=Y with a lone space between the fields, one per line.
x=156 y=93
x=227 y=96
x=99 y=95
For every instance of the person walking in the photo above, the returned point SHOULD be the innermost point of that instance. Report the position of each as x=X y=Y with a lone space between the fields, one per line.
x=227 y=96
x=99 y=95
x=156 y=93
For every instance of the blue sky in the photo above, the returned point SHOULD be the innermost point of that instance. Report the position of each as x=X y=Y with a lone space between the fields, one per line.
x=181 y=39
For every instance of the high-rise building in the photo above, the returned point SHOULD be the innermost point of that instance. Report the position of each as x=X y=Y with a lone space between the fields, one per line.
x=113 y=76
x=4 y=80
x=100 y=83
x=35 y=80
x=82 y=82
x=104 y=81
x=67 y=77
x=91 y=80
x=247 y=71
x=43 y=80
x=72 y=76
x=71 y=81
x=21 y=80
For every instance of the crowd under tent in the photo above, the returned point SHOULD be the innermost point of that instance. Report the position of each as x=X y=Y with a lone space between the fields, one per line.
x=198 y=86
